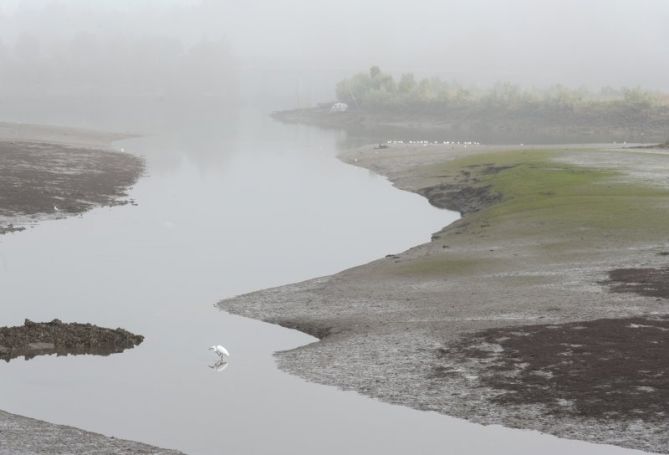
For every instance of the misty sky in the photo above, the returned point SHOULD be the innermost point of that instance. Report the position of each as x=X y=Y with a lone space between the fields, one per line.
x=532 y=42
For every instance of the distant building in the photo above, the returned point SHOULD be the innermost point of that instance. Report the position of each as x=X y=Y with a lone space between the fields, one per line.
x=339 y=107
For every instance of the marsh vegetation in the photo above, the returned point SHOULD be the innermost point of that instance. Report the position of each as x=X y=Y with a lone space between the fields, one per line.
x=383 y=106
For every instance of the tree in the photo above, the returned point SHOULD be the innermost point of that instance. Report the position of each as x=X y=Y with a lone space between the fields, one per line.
x=407 y=83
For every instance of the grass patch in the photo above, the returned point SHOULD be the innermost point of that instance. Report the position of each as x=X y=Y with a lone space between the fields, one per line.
x=538 y=191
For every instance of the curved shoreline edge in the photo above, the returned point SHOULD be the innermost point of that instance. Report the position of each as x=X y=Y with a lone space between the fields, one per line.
x=52 y=173
x=23 y=435
x=85 y=173
x=486 y=125
x=543 y=230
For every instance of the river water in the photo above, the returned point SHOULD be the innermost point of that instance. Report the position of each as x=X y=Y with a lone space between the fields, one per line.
x=232 y=202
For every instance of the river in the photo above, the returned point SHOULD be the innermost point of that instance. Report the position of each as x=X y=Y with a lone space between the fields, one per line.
x=231 y=202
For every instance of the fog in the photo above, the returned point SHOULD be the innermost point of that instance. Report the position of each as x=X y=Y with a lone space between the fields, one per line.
x=233 y=200
x=298 y=49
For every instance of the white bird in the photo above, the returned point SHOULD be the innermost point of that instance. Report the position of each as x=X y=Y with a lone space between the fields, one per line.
x=220 y=350
x=56 y=209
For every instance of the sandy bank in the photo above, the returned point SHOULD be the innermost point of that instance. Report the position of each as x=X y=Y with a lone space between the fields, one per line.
x=546 y=247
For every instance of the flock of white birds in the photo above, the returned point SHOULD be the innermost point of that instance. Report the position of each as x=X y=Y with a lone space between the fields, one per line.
x=423 y=142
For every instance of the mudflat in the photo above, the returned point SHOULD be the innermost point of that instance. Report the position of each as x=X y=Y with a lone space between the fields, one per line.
x=544 y=307
x=48 y=173
x=491 y=125
x=22 y=435
x=56 y=337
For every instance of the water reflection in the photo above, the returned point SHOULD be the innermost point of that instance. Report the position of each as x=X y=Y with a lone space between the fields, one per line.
x=33 y=350
x=34 y=339
x=220 y=365
x=250 y=204
x=223 y=354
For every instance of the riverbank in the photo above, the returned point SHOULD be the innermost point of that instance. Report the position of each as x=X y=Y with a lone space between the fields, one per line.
x=51 y=173
x=553 y=245
x=489 y=126
x=22 y=435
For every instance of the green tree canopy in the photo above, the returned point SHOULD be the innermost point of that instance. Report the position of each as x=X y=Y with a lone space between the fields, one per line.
x=377 y=90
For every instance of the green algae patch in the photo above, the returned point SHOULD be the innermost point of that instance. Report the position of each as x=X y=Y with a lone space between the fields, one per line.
x=539 y=194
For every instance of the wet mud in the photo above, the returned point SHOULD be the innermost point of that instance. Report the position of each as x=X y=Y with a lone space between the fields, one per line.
x=452 y=325
x=56 y=337
x=42 y=180
x=610 y=369
x=649 y=282
x=467 y=194
x=486 y=126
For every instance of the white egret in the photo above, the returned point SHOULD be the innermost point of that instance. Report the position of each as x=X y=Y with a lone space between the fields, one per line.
x=220 y=350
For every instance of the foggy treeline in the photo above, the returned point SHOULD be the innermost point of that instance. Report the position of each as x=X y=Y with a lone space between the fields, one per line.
x=376 y=89
x=88 y=64
x=60 y=49
x=300 y=49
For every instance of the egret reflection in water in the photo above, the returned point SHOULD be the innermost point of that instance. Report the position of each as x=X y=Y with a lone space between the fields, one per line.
x=220 y=365
x=223 y=354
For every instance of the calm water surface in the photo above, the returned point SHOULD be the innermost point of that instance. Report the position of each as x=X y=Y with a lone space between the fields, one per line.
x=232 y=202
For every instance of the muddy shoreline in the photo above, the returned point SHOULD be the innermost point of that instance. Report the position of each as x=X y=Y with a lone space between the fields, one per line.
x=52 y=173
x=56 y=337
x=23 y=435
x=548 y=238
x=486 y=127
